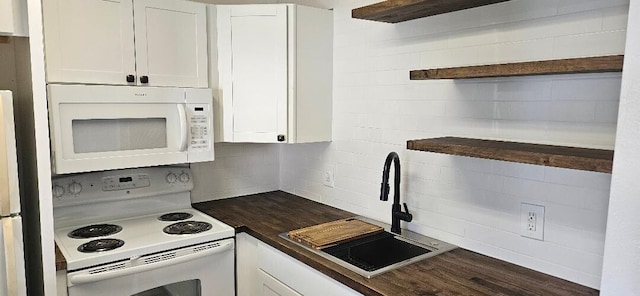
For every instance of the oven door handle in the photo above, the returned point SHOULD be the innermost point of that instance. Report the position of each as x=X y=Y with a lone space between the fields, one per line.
x=83 y=278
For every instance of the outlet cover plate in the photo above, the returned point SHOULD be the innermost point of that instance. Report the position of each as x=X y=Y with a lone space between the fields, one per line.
x=532 y=221
x=328 y=177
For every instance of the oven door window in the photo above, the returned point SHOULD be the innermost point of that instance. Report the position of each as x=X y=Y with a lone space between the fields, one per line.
x=122 y=134
x=186 y=288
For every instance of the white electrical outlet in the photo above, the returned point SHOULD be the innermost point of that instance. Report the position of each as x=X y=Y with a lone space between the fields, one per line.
x=328 y=178
x=532 y=221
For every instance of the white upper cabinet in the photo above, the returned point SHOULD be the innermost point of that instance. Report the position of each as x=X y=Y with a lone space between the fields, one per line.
x=171 y=42
x=92 y=41
x=13 y=18
x=274 y=72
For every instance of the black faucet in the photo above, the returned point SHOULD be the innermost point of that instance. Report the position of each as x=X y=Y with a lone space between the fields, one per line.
x=396 y=211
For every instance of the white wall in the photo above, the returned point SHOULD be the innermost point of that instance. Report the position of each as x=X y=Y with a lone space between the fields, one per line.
x=622 y=251
x=471 y=202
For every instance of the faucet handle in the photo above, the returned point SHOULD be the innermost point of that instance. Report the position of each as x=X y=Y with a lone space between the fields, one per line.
x=406 y=216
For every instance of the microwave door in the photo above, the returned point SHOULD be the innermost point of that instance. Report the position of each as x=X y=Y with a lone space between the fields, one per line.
x=112 y=136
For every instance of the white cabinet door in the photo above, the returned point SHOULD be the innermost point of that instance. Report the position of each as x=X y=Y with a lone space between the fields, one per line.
x=89 y=41
x=263 y=270
x=13 y=18
x=253 y=48
x=274 y=65
x=6 y=17
x=298 y=276
x=270 y=286
x=246 y=265
x=171 y=42
x=92 y=41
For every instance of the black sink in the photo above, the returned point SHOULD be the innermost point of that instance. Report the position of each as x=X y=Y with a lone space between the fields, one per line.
x=381 y=252
x=376 y=251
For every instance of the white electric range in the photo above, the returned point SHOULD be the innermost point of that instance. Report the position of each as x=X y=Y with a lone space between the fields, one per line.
x=134 y=232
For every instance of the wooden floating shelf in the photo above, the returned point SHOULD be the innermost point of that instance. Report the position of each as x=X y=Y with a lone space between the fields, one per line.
x=597 y=64
x=596 y=160
x=395 y=11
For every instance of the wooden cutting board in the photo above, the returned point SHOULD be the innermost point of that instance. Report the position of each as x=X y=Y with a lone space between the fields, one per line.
x=326 y=234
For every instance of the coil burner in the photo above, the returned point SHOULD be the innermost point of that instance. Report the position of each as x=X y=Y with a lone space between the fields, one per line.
x=95 y=230
x=187 y=227
x=178 y=216
x=101 y=245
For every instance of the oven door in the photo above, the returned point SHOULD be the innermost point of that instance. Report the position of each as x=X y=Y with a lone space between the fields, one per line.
x=109 y=127
x=202 y=270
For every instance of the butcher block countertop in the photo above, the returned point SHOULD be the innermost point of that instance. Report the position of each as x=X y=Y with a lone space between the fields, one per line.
x=458 y=272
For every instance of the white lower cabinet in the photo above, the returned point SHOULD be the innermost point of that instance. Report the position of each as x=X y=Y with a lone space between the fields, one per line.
x=246 y=265
x=263 y=270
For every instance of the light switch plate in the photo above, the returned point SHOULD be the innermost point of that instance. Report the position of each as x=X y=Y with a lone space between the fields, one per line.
x=532 y=221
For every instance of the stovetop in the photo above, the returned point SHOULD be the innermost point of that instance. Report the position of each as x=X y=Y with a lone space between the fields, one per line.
x=134 y=200
x=141 y=235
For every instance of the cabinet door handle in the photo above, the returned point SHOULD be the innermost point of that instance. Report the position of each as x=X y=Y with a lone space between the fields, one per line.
x=144 y=79
x=281 y=138
x=131 y=78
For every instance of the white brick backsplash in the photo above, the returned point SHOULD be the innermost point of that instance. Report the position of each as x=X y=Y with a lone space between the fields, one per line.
x=597 y=87
x=238 y=169
x=573 y=111
x=520 y=171
x=591 y=180
x=615 y=18
x=592 y=44
x=570 y=6
x=523 y=90
x=607 y=112
x=433 y=219
x=474 y=203
x=526 y=50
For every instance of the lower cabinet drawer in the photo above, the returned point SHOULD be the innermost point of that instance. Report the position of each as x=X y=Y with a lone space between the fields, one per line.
x=269 y=286
x=298 y=276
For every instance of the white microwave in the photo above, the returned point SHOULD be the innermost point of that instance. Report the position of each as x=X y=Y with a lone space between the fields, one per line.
x=101 y=127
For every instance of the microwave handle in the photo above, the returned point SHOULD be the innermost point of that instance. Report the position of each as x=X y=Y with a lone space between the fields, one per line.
x=182 y=113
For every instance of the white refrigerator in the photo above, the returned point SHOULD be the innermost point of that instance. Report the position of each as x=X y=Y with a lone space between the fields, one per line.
x=12 y=274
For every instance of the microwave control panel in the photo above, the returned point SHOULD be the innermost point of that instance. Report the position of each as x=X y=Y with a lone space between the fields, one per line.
x=199 y=126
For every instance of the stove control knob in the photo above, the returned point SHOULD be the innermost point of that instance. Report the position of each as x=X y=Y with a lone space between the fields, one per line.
x=75 y=188
x=171 y=178
x=58 y=191
x=184 y=177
